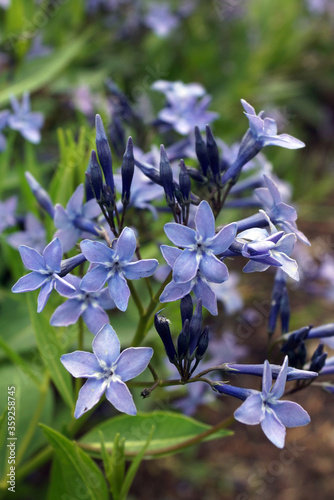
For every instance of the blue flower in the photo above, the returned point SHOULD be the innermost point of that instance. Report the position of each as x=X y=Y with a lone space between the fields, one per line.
x=265 y=408
x=261 y=133
x=40 y=194
x=23 y=120
x=201 y=246
x=160 y=19
x=278 y=212
x=3 y=122
x=199 y=284
x=45 y=275
x=33 y=236
x=75 y=221
x=266 y=250
x=91 y=306
x=115 y=267
x=107 y=370
x=7 y=213
x=184 y=110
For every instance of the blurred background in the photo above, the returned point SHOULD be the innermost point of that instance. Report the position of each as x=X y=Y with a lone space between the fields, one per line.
x=77 y=58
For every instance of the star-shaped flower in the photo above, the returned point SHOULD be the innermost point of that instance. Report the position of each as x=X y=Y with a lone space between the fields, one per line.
x=201 y=246
x=265 y=250
x=265 y=408
x=115 y=267
x=23 y=120
x=33 y=236
x=278 y=212
x=45 y=275
x=107 y=371
x=198 y=284
x=74 y=222
x=91 y=306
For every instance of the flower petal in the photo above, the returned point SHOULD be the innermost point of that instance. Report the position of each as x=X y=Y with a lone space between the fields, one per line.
x=104 y=300
x=290 y=414
x=140 y=269
x=67 y=313
x=31 y=258
x=126 y=245
x=175 y=291
x=170 y=254
x=89 y=395
x=273 y=429
x=106 y=346
x=52 y=255
x=44 y=295
x=213 y=269
x=205 y=221
x=209 y=300
x=74 y=206
x=68 y=237
x=252 y=410
x=119 y=291
x=266 y=378
x=63 y=287
x=95 y=318
x=95 y=279
x=81 y=364
x=222 y=240
x=97 y=252
x=29 y=282
x=132 y=362
x=120 y=397
x=61 y=219
x=278 y=389
x=181 y=236
x=186 y=266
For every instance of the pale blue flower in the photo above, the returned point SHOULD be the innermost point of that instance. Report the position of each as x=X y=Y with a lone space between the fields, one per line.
x=278 y=212
x=184 y=110
x=160 y=19
x=91 y=306
x=265 y=408
x=33 y=236
x=107 y=371
x=7 y=213
x=115 y=267
x=75 y=222
x=45 y=275
x=26 y=122
x=200 y=247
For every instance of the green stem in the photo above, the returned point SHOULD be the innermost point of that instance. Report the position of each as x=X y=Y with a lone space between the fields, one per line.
x=136 y=298
x=146 y=315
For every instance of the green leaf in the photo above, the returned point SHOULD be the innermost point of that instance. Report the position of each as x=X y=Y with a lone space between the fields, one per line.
x=75 y=474
x=50 y=350
x=48 y=69
x=134 y=467
x=170 y=429
x=27 y=398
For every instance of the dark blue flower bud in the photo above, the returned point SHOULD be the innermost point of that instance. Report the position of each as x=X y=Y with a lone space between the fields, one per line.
x=203 y=343
x=196 y=174
x=86 y=225
x=67 y=265
x=183 y=340
x=108 y=198
x=166 y=176
x=318 y=363
x=201 y=152
x=285 y=311
x=94 y=176
x=295 y=339
x=104 y=153
x=184 y=182
x=195 y=327
x=117 y=135
x=128 y=166
x=301 y=353
x=162 y=327
x=279 y=304
x=151 y=172
x=88 y=188
x=186 y=308
x=213 y=154
x=40 y=194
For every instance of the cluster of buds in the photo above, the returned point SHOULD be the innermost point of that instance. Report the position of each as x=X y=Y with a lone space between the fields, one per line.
x=192 y=342
x=104 y=190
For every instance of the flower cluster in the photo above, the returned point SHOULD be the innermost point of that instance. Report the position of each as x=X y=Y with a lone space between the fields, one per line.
x=109 y=218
